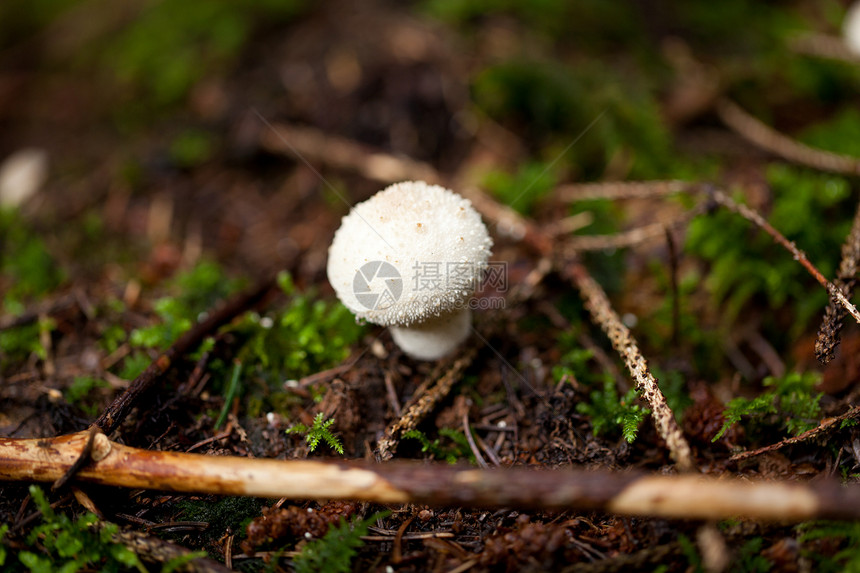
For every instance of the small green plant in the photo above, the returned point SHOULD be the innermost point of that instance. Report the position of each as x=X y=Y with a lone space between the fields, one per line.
x=335 y=550
x=608 y=412
x=17 y=344
x=791 y=404
x=60 y=544
x=80 y=392
x=847 y=534
x=198 y=290
x=457 y=450
x=27 y=269
x=4 y=529
x=749 y=558
x=318 y=432
x=307 y=336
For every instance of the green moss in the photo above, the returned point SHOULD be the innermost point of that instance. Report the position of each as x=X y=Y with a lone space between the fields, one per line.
x=17 y=344
x=790 y=404
x=609 y=413
x=228 y=513
x=197 y=291
x=839 y=134
x=335 y=551
x=584 y=117
x=597 y=25
x=59 y=543
x=192 y=148
x=802 y=201
x=169 y=46
x=846 y=536
x=306 y=336
x=27 y=268
x=451 y=446
x=523 y=189
x=80 y=393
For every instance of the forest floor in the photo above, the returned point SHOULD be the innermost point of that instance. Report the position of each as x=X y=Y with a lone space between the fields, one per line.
x=175 y=155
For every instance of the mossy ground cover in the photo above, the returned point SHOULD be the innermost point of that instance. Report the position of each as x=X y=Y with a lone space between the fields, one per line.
x=161 y=202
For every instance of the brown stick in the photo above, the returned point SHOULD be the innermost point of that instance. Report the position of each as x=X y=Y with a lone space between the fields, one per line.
x=771 y=140
x=681 y=496
x=122 y=405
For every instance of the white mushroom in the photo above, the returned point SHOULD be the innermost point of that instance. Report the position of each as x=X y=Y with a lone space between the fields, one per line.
x=851 y=28
x=410 y=257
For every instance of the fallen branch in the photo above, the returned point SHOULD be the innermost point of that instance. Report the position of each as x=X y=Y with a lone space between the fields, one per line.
x=689 y=496
x=122 y=405
x=771 y=140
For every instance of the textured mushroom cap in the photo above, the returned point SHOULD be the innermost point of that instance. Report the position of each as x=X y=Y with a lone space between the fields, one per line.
x=411 y=252
x=851 y=28
x=435 y=337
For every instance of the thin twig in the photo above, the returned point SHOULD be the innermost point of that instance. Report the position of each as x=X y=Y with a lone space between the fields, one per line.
x=826 y=426
x=771 y=140
x=631 y=237
x=424 y=404
x=687 y=496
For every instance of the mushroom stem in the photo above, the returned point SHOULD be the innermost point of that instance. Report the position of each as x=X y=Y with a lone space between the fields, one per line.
x=435 y=337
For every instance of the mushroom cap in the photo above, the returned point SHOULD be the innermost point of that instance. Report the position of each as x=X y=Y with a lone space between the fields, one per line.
x=411 y=252
x=851 y=28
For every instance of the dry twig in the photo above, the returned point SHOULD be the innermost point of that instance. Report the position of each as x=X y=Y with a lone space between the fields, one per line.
x=771 y=140
x=618 y=190
x=690 y=496
x=424 y=404
x=628 y=238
